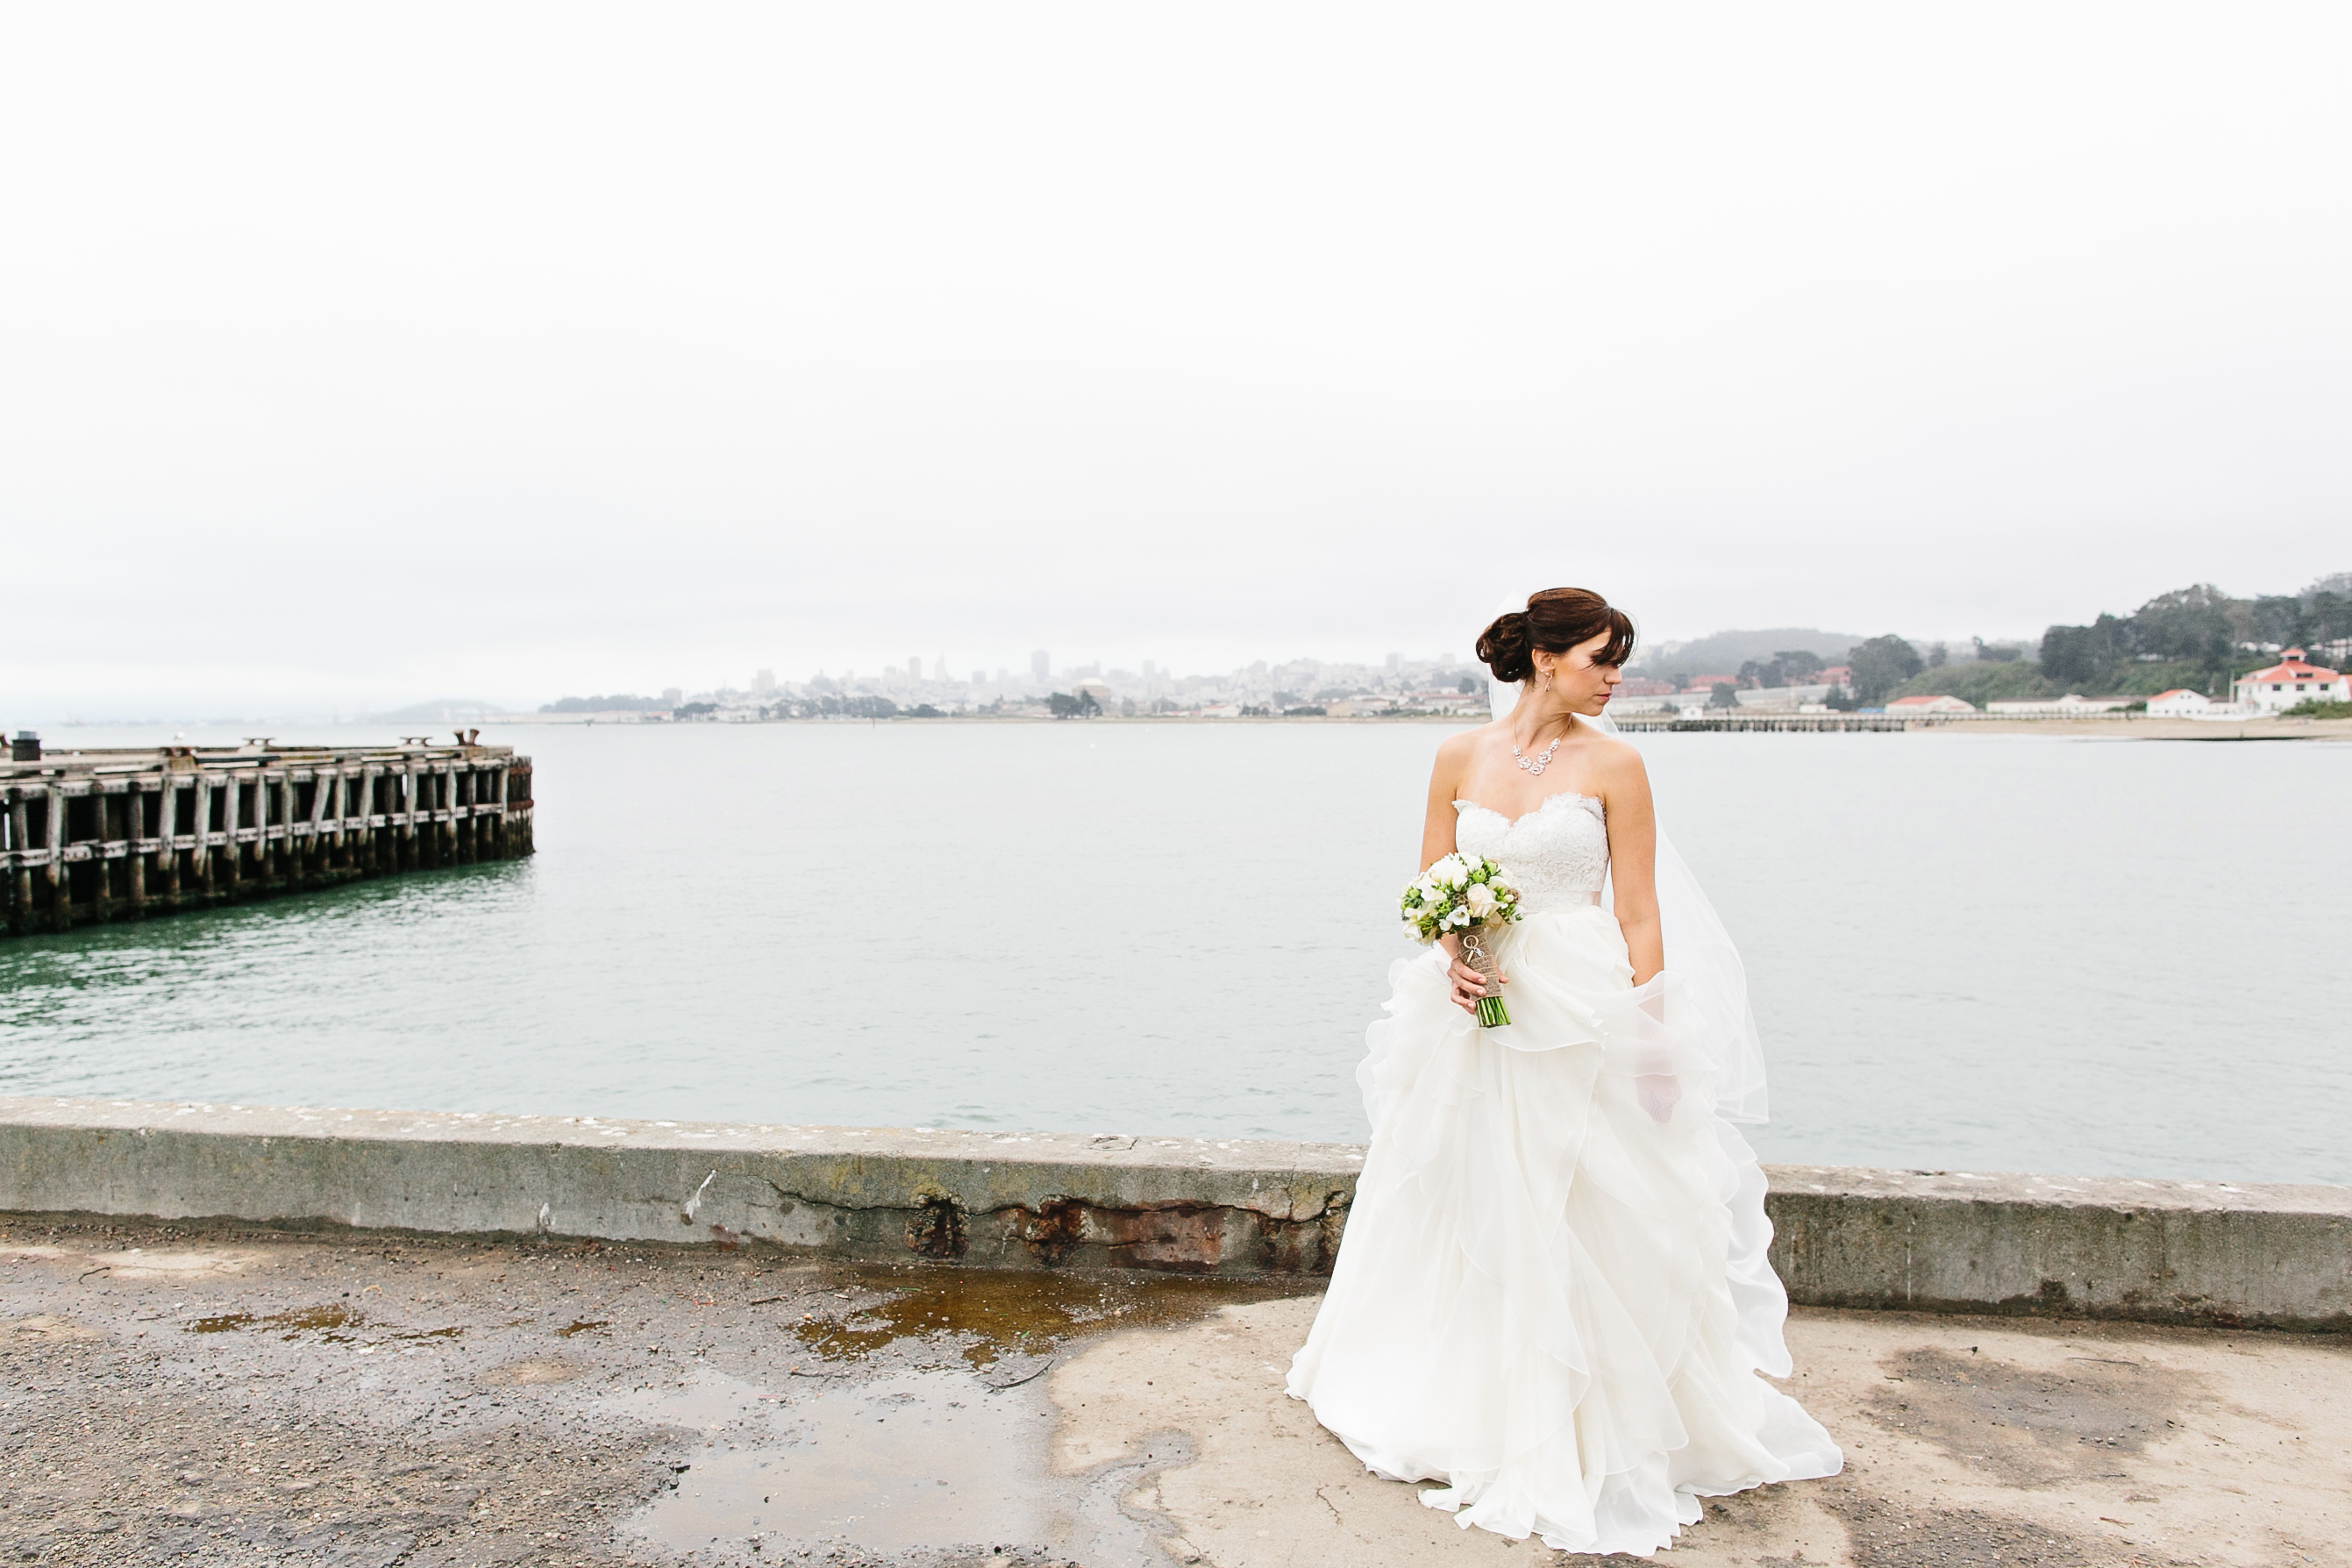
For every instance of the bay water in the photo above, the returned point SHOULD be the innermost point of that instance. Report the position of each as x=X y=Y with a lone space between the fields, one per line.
x=2055 y=953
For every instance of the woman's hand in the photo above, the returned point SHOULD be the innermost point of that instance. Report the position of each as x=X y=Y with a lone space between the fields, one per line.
x=1467 y=982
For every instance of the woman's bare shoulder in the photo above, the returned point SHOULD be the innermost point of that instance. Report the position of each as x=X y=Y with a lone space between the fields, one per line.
x=1619 y=761
x=1460 y=746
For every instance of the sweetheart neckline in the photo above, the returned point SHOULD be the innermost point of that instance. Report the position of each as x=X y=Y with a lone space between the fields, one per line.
x=1545 y=806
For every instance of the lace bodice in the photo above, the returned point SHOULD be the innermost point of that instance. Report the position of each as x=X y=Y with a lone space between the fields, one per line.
x=1558 y=853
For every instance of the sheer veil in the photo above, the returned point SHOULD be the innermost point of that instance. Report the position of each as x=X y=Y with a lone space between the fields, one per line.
x=1708 y=984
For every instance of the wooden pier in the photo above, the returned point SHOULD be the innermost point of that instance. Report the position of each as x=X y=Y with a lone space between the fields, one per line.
x=1774 y=723
x=105 y=834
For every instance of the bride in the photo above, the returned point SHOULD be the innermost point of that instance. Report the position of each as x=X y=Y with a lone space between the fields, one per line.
x=1553 y=1294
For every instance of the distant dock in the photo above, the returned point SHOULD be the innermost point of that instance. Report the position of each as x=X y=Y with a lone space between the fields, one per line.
x=1821 y=723
x=104 y=834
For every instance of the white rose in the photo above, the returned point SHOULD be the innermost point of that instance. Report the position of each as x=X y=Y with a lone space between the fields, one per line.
x=1480 y=899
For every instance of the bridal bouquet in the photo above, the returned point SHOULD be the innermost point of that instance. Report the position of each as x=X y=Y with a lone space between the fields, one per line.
x=1472 y=897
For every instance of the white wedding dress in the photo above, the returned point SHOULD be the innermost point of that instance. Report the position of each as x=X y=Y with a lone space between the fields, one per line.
x=1553 y=1294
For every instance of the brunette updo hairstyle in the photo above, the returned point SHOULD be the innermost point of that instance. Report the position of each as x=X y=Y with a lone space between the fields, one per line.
x=1555 y=620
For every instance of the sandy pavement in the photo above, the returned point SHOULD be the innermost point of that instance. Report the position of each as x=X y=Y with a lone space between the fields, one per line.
x=1967 y=1440
x=192 y=1396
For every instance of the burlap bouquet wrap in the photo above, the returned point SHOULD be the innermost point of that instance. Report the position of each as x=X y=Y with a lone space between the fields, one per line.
x=1478 y=944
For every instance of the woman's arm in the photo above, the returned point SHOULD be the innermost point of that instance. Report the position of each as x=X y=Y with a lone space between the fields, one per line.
x=1445 y=789
x=1633 y=859
x=1436 y=843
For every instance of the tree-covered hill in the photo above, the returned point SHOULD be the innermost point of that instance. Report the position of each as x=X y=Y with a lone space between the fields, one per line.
x=1722 y=652
x=2198 y=638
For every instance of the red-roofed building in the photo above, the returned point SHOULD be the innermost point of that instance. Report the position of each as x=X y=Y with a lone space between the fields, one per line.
x=1705 y=685
x=2292 y=680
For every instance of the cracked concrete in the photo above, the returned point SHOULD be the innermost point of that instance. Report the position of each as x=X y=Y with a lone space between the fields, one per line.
x=239 y=1396
x=1969 y=1441
x=220 y=1395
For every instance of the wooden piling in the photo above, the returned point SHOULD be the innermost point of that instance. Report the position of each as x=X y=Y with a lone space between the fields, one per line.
x=317 y=818
x=169 y=827
x=135 y=829
x=20 y=852
x=53 y=869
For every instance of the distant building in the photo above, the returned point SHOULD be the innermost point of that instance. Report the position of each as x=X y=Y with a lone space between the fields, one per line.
x=1705 y=685
x=915 y=668
x=1040 y=666
x=1643 y=686
x=1835 y=675
x=672 y=696
x=2182 y=703
x=2292 y=680
x=1913 y=706
x=1781 y=698
x=763 y=681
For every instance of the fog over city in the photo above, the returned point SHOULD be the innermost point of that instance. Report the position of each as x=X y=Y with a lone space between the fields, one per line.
x=350 y=360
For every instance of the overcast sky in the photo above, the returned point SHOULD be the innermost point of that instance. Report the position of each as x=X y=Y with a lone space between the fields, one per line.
x=353 y=356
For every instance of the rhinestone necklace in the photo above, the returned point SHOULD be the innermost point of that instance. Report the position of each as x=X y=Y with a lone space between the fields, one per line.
x=1541 y=759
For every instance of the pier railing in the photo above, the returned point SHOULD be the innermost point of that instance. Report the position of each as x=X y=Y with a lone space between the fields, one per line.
x=105 y=833
x=1730 y=719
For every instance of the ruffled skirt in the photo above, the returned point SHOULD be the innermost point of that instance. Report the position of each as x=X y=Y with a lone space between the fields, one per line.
x=1553 y=1294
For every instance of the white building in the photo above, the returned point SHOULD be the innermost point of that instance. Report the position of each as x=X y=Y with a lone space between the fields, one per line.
x=2182 y=703
x=1913 y=706
x=2292 y=680
x=1785 y=699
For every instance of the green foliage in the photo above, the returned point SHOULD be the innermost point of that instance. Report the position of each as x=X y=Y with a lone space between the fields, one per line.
x=1725 y=695
x=1981 y=682
x=1728 y=650
x=2141 y=679
x=2191 y=636
x=1879 y=665
x=1787 y=667
x=2083 y=655
x=1082 y=706
x=2315 y=709
x=2199 y=625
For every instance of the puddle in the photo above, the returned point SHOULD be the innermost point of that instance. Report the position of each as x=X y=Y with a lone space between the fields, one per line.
x=321 y=1321
x=990 y=1314
x=907 y=1459
x=583 y=1326
x=942 y=1441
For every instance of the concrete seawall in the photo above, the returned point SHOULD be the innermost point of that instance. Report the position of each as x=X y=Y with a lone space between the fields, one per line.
x=2158 y=1251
